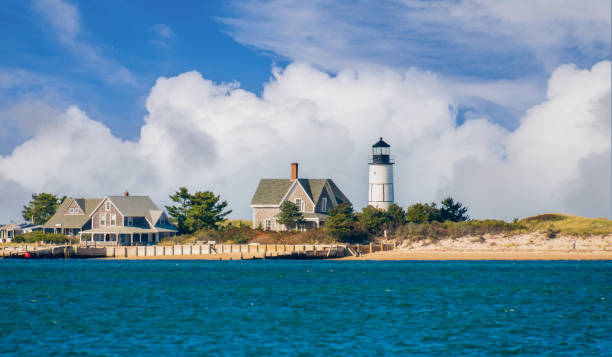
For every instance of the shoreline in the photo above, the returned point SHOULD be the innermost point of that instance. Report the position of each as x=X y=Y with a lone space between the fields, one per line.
x=417 y=255
x=402 y=254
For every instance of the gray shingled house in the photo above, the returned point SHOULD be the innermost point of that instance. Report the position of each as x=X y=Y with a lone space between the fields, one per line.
x=72 y=216
x=128 y=220
x=314 y=197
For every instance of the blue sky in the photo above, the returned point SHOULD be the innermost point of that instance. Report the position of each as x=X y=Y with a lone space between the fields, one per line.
x=453 y=84
x=124 y=35
x=241 y=41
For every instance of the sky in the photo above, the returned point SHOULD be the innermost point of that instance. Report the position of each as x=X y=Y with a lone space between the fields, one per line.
x=503 y=105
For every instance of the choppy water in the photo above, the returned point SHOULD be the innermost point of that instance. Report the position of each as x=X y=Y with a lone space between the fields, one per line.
x=308 y=308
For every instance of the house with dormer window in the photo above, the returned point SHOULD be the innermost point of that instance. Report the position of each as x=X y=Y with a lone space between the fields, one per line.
x=113 y=220
x=128 y=220
x=72 y=216
x=314 y=197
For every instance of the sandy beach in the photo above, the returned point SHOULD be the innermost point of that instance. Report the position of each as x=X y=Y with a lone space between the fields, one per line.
x=497 y=247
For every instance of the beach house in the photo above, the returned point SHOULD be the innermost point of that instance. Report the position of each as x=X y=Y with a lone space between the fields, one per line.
x=12 y=230
x=313 y=197
x=113 y=220
x=127 y=220
x=72 y=216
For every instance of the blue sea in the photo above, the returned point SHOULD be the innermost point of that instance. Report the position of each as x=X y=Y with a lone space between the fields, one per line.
x=107 y=308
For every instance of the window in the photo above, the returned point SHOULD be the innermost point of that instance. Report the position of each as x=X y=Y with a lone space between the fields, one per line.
x=71 y=210
x=324 y=204
x=103 y=219
x=300 y=203
x=107 y=206
x=162 y=219
x=113 y=220
x=268 y=224
x=130 y=221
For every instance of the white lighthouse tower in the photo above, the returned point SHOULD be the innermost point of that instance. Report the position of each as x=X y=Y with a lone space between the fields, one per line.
x=380 y=194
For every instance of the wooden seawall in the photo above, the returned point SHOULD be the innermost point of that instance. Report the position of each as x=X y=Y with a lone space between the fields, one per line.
x=235 y=251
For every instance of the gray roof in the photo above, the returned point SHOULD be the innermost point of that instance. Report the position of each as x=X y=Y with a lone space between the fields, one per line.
x=16 y=226
x=134 y=206
x=272 y=191
x=73 y=220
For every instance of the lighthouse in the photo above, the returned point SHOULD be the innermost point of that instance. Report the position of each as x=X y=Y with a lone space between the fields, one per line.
x=380 y=193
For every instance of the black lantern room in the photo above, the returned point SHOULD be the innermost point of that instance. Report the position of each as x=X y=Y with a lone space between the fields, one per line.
x=381 y=152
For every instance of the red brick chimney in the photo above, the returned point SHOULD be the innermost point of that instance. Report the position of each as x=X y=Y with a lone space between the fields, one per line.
x=294 y=171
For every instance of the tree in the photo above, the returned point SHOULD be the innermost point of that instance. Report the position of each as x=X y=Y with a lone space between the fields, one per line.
x=41 y=208
x=290 y=215
x=373 y=219
x=396 y=215
x=453 y=211
x=200 y=210
x=343 y=225
x=422 y=213
x=339 y=222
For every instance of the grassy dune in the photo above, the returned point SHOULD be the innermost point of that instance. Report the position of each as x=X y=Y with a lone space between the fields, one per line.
x=569 y=225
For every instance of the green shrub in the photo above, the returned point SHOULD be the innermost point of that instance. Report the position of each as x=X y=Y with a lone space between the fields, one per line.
x=38 y=236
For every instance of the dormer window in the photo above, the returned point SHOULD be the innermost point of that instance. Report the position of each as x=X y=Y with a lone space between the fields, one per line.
x=72 y=210
x=324 y=204
x=107 y=205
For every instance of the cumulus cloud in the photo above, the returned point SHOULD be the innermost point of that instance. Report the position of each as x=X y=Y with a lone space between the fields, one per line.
x=494 y=55
x=223 y=138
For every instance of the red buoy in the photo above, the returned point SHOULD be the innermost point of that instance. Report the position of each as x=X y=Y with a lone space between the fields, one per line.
x=27 y=254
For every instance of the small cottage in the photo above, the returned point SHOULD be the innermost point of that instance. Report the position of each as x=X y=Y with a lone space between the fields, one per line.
x=314 y=197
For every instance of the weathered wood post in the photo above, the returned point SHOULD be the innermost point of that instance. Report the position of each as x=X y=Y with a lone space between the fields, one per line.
x=371 y=246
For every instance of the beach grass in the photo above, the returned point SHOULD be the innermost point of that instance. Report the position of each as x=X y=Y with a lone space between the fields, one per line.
x=555 y=223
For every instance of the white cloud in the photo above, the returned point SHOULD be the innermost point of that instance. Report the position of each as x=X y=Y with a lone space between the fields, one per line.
x=220 y=137
x=425 y=33
x=163 y=33
x=63 y=18
x=163 y=30
x=486 y=51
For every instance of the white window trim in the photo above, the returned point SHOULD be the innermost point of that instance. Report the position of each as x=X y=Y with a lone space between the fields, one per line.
x=130 y=221
x=102 y=220
x=301 y=205
x=113 y=218
x=267 y=224
x=71 y=210
x=107 y=206
x=324 y=204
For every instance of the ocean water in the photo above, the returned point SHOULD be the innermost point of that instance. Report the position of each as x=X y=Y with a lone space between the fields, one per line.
x=99 y=308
